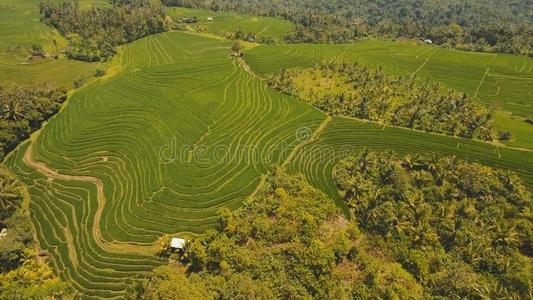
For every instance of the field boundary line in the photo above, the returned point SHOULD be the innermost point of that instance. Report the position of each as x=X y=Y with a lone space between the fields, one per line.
x=247 y=68
x=313 y=138
x=482 y=80
x=420 y=68
x=293 y=153
x=263 y=30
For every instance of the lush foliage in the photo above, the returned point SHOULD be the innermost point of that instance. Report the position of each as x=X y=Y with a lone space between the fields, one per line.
x=23 y=110
x=18 y=234
x=357 y=91
x=94 y=33
x=462 y=229
x=471 y=25
x=34 y=279
x=22 y=274
x=287 y=242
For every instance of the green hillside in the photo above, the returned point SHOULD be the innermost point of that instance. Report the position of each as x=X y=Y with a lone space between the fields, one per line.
x=20 y=29
x=230 y=22
x=344 y=136
x=175 y=131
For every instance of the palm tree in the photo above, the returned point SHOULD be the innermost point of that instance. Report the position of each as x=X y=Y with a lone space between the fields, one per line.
x=13 y=110
x=9 y=190
x=505 y=234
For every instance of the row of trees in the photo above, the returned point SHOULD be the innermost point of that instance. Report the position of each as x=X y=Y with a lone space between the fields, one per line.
x=288 y=241
x=22 y=274
x=484 y=25
x=23 y=110
x=352 y=90
x=94 y=33
x=462 y=229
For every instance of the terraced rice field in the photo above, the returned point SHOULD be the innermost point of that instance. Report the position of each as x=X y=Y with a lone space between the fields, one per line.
x=231 y=22
x=179 y=132
x=344 y=136
x=505 y=81
x=175 y=132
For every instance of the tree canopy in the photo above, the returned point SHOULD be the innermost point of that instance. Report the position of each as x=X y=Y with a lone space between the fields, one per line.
x=501 y=26
x=287 y=241
x=463 y=230
x=94 y=33
x=23 y=110
x=349 y=89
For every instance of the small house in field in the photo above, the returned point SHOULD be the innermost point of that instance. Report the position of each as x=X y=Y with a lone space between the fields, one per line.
x=428 y=41
x=177 y=244
x=210 y=19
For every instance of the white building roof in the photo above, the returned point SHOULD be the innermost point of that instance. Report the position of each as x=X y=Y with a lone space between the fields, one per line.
x=177 y=243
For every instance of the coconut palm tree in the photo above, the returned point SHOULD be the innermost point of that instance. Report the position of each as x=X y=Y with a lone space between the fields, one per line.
x=12 y=110
x=9 y=190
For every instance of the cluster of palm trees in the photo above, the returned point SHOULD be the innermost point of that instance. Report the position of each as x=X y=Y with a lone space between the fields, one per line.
x=23 y=109
x=436 y=213
x=94 y=33
x=360 y=92
x=10 y=195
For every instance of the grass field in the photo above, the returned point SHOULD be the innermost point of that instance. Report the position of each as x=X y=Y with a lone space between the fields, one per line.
x=20 y=28
x=504 y=82
x=176 y=131
x=230 y=22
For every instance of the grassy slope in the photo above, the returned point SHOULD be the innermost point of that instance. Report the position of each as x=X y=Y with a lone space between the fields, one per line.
x=230 y=22
x=133 y=131
x=20 y=28
x=499 y=80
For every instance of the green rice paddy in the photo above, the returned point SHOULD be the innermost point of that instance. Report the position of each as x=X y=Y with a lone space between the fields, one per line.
x=230 y=22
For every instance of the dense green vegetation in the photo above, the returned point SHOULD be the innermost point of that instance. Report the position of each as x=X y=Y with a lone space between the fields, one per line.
x=500 y=26
x=177 y=135
x=175 y=131
x=417 y=233
x=23 y=110
x=436 y=214
x=356 y=91
x=138 y=154
x=94 y=33
x=22 y=274
x=287 y=241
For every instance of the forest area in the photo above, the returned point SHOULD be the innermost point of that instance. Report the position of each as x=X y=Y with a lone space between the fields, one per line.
x=348 y=89
x=487 y=26
x=419 y=224
x=95 y=33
